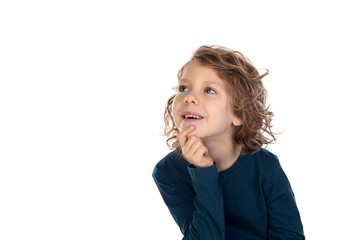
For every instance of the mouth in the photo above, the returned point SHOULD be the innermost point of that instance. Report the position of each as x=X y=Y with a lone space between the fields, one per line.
x=188 y=116
x=192 y=116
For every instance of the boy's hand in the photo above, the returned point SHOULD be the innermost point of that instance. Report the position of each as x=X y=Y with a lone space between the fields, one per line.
x=193 y=149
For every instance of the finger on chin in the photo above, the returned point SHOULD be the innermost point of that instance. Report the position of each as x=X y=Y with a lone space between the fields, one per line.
x=184 y=135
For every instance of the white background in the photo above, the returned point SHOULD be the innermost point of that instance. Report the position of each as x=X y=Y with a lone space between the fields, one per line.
x=83 y=86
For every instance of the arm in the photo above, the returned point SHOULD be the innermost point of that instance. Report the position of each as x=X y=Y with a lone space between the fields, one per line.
x=199 y=216
x=284 y=217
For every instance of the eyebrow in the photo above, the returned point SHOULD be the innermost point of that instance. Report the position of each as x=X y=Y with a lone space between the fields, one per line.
x=211 y=82
x=206 y=82
x=183 y=80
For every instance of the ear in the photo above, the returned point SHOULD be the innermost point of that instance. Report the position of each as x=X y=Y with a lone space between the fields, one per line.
x=236 y=121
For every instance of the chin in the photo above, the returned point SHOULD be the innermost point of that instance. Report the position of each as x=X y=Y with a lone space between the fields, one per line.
x=197 y=134
x=193 y=134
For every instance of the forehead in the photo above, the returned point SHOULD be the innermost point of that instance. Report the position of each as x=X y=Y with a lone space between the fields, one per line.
x=195 y=71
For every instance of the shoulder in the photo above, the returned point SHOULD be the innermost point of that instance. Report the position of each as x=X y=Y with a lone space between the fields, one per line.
x=171 y=160
x=266 y=164
x=172 y=164
x=265 y=159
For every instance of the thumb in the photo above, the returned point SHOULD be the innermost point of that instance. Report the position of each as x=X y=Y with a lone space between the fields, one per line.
x=207 y=157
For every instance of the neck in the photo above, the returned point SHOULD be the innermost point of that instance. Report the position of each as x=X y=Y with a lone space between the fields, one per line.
x=224 y=153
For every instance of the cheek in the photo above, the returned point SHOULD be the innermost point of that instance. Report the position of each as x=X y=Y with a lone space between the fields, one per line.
x=175 y=110
x=226 y=113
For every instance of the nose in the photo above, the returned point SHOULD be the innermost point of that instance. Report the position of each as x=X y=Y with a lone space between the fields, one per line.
x=190 y=98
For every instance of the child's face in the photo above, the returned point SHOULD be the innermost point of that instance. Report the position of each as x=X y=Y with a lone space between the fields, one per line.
x=202 y=100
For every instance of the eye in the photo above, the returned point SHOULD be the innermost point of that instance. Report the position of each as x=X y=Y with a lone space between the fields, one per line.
x=183 y=88
x=209 y=90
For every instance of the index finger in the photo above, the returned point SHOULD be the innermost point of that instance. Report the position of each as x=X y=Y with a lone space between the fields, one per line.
x=183 y=135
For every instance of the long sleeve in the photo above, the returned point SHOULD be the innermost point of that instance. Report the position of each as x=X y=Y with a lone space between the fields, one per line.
x=284 y=218
x=252 y=199
x=199 y=215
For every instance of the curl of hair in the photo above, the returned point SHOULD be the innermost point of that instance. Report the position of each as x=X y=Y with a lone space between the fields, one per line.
x=247 y=97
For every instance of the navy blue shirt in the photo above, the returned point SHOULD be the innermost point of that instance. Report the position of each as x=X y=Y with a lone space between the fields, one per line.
x=252 y=199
